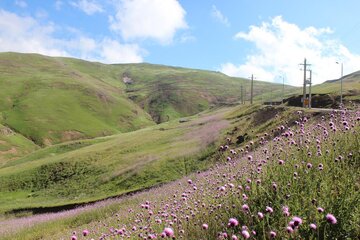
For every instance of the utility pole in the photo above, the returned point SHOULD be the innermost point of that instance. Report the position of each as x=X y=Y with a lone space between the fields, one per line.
x=304 y=86
x=341 y=83
x=310 y=83
x=342 y=75
x=282 y=100
x=252 y=89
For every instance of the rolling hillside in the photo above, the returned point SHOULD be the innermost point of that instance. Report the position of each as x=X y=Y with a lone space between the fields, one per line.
x=49 y=102
x=73 y=131
x=327 y=94
x=87 y=170
x=351 y=86
x=52 y=100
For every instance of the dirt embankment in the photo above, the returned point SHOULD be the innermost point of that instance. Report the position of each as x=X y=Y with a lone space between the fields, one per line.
x=318 y=101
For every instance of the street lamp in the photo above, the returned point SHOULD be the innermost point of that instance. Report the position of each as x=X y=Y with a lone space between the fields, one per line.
x=341 y=83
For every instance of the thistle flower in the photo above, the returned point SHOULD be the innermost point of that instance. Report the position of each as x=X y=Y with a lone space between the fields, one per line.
x=272 y=234
x=169 y=232
x=233 y=222
x=320 y=209
x=269 y=209
x=245 y=208
x=297 y=221
x=245 y=234
x=85 y=232
x=313 y=226
x=331 y=218
x=321 y=166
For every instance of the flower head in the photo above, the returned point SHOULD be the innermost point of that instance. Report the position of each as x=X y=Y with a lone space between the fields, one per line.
x=85 y=232
x=169 y=232
x=297 y=221
x=313 y=226
x=245 y=234
x=331 y=218
x=269 y=209
x=233 y=222
x=260 y=215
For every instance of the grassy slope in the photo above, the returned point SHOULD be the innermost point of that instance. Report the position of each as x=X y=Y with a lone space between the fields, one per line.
x=52 y=100
x=49 y=102
x=93 y=169
x=351 y=86
x=82 y=171
x=171 y=92
x=13 y=145
x=241 y=119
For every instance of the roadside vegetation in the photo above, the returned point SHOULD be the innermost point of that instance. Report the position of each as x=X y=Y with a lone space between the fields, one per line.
x=299 y=179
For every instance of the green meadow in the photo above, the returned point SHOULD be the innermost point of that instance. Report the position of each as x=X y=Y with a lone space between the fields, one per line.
x=74 y=132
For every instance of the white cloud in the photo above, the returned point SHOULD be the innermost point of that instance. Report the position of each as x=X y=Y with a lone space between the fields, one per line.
x=114 y=52
x=88 y=6
x=58 y=4
x=282 y=46
x=218 y=16
x=21 y=3
x=27 y=35
x=148 y=19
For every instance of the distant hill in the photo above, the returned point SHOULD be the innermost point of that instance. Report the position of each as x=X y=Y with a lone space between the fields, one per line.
x=352 y=77
x=329 y=91
x=50 y=100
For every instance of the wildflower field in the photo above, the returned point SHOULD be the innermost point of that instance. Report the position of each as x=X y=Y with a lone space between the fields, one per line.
x=300 y=180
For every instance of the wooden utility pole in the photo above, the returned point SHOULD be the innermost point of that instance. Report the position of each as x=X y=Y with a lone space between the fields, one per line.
x=283 y=90
x=305 y=81
x=310 y=83
x=304 y=87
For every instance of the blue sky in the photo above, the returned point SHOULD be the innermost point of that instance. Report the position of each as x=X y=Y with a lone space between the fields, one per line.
x=267 y=38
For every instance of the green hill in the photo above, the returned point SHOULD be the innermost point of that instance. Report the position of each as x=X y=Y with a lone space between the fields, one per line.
x=49 y=102
x=52 y=100
x=87 y=170
x=351 y=86
x=327 y=94
x=73 y=131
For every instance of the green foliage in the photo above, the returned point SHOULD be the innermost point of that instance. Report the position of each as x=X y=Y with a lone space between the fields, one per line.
x=88 y=170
